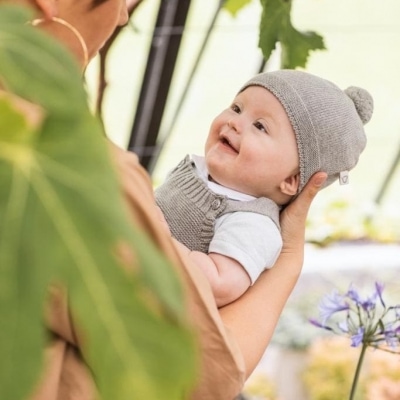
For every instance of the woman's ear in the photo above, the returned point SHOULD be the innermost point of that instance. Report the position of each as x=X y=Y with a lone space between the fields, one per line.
x=290 y=185
x=48 y=7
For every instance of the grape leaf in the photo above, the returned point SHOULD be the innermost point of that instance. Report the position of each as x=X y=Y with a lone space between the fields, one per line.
x=276 y=26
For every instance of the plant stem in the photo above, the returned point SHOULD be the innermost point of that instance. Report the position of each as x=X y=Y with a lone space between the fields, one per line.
x=358 y=370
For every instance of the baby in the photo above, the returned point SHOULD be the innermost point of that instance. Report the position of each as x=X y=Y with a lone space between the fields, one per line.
x=281 y=128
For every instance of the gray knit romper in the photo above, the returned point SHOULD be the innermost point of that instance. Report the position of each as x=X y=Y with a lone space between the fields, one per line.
x=191 y=208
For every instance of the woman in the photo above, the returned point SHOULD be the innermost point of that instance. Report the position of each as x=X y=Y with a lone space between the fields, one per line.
x=232 y=339
x=76 y=24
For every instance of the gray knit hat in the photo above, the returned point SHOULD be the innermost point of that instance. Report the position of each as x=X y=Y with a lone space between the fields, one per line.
x=327 y=121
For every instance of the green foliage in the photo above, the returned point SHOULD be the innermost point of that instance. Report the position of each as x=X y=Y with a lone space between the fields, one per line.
x=276 y=27
x=63 y=221
x=234 y=6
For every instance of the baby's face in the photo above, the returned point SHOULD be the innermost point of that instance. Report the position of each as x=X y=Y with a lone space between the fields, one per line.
x=251 y=147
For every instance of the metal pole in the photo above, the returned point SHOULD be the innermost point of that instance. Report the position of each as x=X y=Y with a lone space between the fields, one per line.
x=170 y=129
x=388 y=178
x=161 y=61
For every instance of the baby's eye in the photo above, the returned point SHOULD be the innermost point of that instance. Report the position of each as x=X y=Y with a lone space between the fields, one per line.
x=260 y=126
x=235 y=108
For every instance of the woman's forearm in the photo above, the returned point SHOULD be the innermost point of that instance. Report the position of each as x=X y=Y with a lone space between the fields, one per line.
x=253 y=317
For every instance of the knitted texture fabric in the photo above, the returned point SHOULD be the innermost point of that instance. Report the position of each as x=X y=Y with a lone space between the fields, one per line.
x=191 y=208
x=328 y=122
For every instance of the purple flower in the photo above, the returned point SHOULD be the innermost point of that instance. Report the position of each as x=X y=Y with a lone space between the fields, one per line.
x=343 y=326
x=391 y=339
x=367 y=304
x=331 y=304
x=358 y=338
x=319 y=325
x=366 y=320
x=392 y=335
x=379 y=290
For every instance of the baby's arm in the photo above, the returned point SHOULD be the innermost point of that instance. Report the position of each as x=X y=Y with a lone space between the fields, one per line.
x=227 y=277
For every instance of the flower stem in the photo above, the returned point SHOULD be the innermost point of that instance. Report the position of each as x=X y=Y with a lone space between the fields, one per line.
x=358 y=370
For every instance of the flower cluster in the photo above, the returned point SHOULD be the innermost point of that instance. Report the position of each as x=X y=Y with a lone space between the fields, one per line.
x=367 y=319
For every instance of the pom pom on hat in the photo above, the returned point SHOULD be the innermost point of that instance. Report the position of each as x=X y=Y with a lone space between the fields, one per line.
x=363 y=102
x=327 y=121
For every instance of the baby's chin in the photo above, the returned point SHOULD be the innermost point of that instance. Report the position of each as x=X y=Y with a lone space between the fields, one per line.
x=226 y=184
x=211 y=179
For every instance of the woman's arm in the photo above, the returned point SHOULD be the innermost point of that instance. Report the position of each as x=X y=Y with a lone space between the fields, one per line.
x=253 y=317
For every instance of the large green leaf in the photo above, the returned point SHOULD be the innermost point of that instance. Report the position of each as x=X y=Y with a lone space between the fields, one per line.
x=276 y=26
x=62 y=220
x=22 y=291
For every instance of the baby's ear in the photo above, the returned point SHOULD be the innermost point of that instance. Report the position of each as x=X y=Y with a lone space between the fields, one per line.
x=290 y=185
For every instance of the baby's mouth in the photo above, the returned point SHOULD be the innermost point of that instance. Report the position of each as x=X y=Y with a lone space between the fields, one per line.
x=227 y=143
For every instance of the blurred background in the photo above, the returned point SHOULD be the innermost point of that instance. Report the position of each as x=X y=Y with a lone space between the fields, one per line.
x=353 y=231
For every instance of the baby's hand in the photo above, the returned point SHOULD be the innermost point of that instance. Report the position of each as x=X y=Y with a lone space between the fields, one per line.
x=163 y=220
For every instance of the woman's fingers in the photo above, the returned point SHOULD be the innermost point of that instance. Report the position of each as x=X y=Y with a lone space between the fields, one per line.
x=293 y=217
x=299 y=208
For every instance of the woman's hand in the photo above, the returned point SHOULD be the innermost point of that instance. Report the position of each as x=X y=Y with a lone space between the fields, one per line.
x=253 y=317
x=293 y=217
